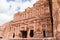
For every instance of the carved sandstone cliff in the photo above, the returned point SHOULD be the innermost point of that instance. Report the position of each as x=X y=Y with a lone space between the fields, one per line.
x=40 y=21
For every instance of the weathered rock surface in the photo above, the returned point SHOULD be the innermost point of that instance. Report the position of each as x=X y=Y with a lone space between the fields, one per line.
x=42 y=21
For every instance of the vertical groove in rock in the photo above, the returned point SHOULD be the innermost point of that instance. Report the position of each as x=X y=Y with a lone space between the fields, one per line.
x=50 y=7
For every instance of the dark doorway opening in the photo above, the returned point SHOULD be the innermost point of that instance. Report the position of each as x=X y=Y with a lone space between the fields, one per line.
x=13 y=35
x=24 y=34
x=1 y=37
x=31 y=33
x=44 y=34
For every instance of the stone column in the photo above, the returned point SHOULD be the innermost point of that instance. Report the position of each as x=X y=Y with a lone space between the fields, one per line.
x=55 y=16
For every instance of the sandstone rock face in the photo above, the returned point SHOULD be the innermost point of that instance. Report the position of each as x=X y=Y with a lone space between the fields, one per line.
x=36 y=22
x=58 y=18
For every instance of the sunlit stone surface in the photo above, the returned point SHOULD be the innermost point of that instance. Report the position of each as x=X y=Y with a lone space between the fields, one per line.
x=37 y=21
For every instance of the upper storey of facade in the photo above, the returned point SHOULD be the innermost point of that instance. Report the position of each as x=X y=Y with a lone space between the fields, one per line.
x=40 y=8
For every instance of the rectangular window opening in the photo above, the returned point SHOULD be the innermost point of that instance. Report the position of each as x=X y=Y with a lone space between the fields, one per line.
x=31 y=33
x=24 y=34
x=44 y=34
